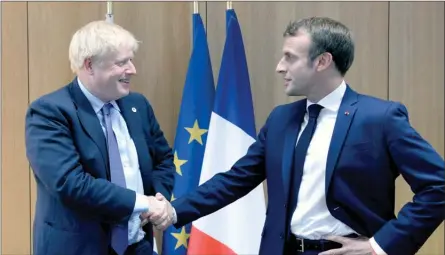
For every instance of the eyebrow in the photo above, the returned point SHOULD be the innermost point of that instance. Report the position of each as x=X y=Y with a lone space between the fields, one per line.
x=126 y=58
x=123 y=59
x=287 y=52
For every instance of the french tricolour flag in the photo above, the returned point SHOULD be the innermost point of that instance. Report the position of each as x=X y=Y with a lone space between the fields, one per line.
x=235 y=229
x=155 y=247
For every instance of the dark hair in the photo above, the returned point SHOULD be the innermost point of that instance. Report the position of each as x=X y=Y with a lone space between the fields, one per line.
x=327 y=35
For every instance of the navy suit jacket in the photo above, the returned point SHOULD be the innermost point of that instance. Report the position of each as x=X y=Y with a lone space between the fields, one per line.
x=66 y=147
x=372 y=144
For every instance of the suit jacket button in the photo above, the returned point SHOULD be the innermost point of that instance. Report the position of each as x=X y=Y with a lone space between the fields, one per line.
x=285 y=205
x=281 y=236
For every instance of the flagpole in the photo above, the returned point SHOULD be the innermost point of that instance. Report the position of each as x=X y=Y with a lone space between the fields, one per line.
x=195 y=7
x=229 y=5
x=109 y=16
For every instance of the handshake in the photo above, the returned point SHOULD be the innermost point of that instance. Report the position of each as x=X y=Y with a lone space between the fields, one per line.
x=160 y=213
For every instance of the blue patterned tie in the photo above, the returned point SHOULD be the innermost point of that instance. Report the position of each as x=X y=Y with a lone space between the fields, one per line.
x=119 y=237
x=300 y=156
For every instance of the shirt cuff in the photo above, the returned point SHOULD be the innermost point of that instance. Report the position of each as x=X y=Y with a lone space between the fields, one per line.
x=141 y=204
x=376 y=247
x=175 y=219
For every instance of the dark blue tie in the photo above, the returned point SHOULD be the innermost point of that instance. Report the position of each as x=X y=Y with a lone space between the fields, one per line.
x=119 y=237
x=300 y=156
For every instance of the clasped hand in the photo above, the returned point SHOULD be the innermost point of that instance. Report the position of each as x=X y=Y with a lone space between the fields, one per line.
x=160 y=212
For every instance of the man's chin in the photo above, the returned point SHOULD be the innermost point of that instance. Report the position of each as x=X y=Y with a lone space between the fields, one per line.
x=124 y=91
x=294 y=92
x=291 y=92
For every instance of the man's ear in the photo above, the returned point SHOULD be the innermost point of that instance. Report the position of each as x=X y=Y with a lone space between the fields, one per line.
x=324 y=61
x=88 y=64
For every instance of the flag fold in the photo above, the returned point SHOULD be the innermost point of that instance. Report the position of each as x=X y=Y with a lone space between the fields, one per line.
x=235 y=229
x=191 y=133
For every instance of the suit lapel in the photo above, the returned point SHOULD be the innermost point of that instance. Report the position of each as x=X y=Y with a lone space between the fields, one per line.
x=132 y=117
x=88 y=119
x=290 y=140
x=345 y=116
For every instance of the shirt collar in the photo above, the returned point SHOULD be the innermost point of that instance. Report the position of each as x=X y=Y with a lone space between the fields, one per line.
x=95 y=102
x=333 y=100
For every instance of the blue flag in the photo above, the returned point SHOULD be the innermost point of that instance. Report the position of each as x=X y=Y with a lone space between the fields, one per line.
x=191 y=133
x=233 y=80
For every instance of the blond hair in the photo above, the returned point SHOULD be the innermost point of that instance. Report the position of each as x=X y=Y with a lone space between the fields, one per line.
x=98 y=39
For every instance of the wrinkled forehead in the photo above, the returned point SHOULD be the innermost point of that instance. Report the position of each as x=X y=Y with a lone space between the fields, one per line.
x=298 y=44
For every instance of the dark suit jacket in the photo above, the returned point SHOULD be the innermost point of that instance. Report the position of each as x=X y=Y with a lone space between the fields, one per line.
x=371 y=146
x=66 y=147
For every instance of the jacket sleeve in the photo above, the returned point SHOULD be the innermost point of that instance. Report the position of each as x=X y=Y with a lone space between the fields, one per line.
x=225 y=187
x=56 y=165
x=423 y=169
x=164 y=169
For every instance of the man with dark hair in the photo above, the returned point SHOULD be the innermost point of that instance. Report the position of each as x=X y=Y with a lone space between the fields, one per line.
x=330 y=161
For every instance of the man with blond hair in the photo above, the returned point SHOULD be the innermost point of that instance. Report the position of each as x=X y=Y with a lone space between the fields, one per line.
x=97 y=153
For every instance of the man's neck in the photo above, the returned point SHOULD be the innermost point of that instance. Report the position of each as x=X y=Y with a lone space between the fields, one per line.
x=86 y=84
x=323 y=89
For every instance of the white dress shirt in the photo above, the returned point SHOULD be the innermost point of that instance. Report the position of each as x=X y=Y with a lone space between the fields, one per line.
x=312 y=219
x=129 y=159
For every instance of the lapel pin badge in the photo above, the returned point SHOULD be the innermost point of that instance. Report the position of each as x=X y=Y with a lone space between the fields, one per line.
x=346 y=113
x=133 y=109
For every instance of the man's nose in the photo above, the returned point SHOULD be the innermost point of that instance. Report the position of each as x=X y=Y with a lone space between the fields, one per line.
x=131 y=68
x=280 y=67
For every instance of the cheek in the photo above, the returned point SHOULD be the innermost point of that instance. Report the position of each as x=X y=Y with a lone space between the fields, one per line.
x=295 y=71
x=101 y=81
x=117 y=76
x=114 y=76
x=102 y=77
x=108 y=82
x=300 y=72
x=113 y=81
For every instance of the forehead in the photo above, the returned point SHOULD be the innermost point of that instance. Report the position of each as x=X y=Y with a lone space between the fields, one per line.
x=124 y=52
x=297 y=44
x=119 y=54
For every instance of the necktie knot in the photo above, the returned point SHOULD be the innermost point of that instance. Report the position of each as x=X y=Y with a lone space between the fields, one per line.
x=107 y=108
x=314 y=110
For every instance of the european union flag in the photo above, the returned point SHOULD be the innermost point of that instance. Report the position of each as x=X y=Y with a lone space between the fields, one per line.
x=191 y=133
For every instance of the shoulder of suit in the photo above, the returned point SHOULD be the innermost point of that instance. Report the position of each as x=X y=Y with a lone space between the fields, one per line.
x=285 y=110
x=58 y=97
x=138 y=99
x=376 y=102
x=136 y=96
x=375 y=108
x=372 y=99
x=289 y=106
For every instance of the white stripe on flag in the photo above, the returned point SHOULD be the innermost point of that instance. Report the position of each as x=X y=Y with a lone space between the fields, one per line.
x=239 y=224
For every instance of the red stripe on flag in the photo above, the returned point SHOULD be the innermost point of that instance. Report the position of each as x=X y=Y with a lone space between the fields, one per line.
x=202 y=244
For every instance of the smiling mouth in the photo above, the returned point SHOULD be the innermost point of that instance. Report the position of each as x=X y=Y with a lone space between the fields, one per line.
x=124 y=81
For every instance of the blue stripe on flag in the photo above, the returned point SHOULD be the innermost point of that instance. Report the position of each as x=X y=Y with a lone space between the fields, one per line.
x=233 y=99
